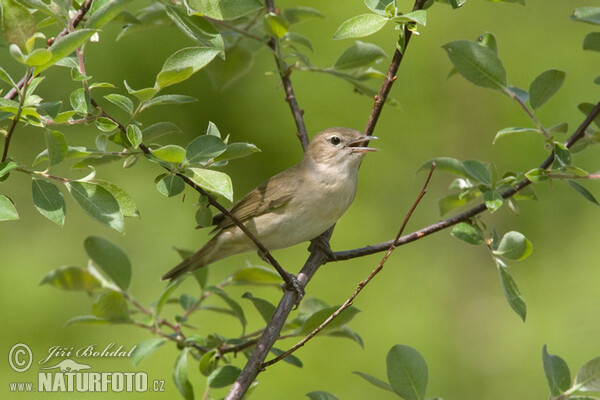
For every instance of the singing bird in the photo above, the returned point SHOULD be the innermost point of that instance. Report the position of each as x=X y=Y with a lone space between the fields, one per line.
x=292 y=207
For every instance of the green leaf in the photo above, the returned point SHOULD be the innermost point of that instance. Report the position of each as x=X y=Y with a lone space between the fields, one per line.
x=514 y=246
x=204 y=148
x=318 y=317
x=111 y=305
x=265 y=308
x=134 y=135
x=537 y=175
x=169 y=289
x=142 y=94
x=557 y=372
x=213 y=181
x=478 y=171
x=583 y=191
x=358 y=55
x=6 y=77
x=223 y=376
x=256 y=275
x=359 y=26
x=144 y=349
x=293 y=37
x=378 y=6
x=196 y=28
x=237 y=150
x=208 y=363
x=120 y=101
x=106 y=13
x=72 y=152
x=106 y=124
x=159 y=129
x=98 y=202
x=588 y=376
x=203 y=217
x=126 y=203
x=170 y=185
x=446 y=164
x=590 y=15
x=407 y=372
x=374 y=381
x=290 y=359
x=276 y=25
x=587 y=108
x=170 y=153
x=64 y=46
x=225 y=10
x=57 y=146
x=48 y=200
x=183 y=63
x=180 y=375
x=80 y=101
x=493 y=201
x=347 y=333
x=295 y=15
x=418 y=16
x=454 y=201
x=321 y=395
x=7 y=166
x=87 y=319
x=562 y=154
x=512 y=293
x=592 y=41
x=545 y=86
x=72 y=278
x=7 y=209
x=168 y=99
x=110 y=259
x=38 y=57
x=17 y=23
x=512 y=131
x=468 y=233
x=478 y=64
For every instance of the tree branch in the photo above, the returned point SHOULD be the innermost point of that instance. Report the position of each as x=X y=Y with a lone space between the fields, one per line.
x=290 y=96
x=443 y=224
x=17 y=116
x=361 y=285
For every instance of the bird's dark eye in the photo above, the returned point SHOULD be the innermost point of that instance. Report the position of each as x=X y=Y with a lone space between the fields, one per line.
x=334 y=140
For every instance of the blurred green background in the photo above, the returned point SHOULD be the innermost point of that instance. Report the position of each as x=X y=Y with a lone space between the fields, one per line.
x=439 y=295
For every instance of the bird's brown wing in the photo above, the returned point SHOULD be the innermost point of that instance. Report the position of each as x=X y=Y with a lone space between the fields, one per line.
x=266 y=197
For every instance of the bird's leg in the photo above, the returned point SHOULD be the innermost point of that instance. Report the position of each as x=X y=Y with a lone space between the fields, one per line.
x=291 y=281
x=321 y=242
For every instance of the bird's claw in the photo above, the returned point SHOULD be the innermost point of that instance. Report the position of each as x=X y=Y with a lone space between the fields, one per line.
x=323 y=244
x=294 y=285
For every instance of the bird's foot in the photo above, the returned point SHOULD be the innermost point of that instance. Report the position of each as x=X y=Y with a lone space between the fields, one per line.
x=322 y=243
x=294 y=285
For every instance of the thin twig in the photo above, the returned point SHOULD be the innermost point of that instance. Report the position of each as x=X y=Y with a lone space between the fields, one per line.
x=361 y=284
x=443 y=224
x=17 y=116
x=390 y=77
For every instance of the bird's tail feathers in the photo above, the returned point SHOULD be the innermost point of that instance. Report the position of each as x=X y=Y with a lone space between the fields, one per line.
x=199 y=259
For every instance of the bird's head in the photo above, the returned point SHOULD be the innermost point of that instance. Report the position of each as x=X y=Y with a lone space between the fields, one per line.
x=339 y=147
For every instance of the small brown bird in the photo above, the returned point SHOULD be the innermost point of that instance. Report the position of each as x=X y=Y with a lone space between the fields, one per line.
x=294 y=206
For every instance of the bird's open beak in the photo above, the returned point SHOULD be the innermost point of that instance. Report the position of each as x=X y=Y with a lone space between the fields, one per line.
x=360 y=145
